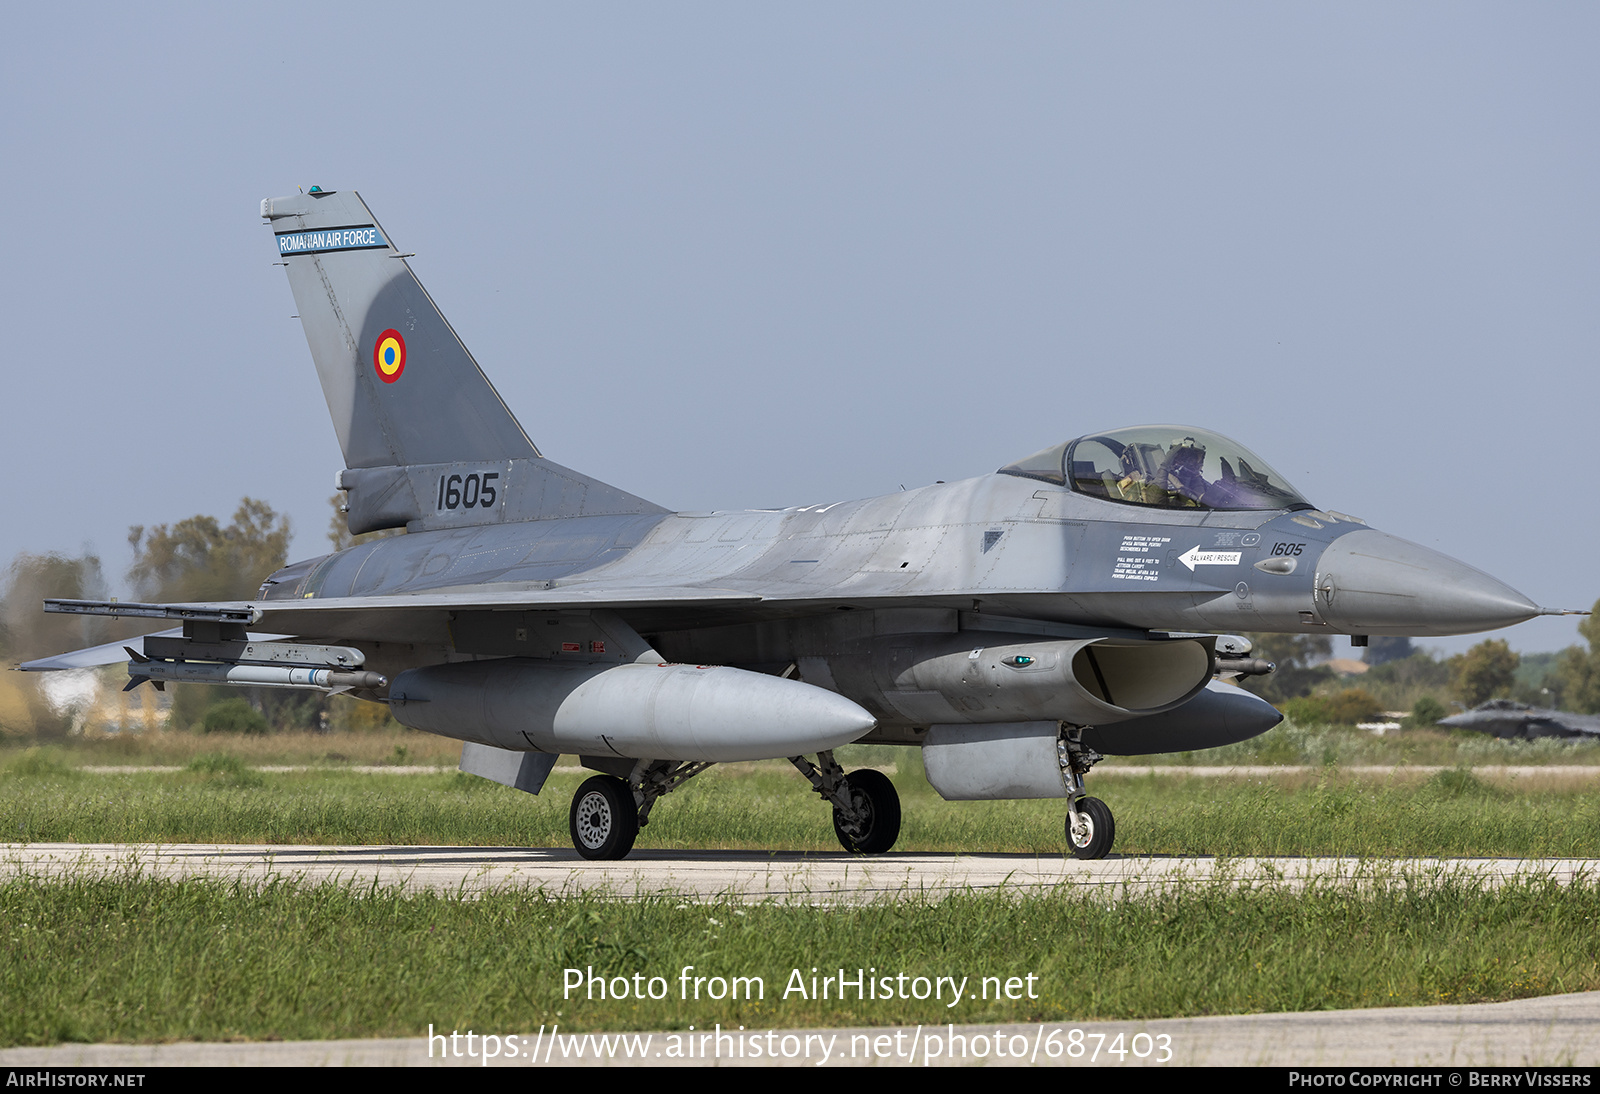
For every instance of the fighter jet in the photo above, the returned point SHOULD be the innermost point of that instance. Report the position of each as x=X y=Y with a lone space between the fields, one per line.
x=1016 y=627
x=1505 y=718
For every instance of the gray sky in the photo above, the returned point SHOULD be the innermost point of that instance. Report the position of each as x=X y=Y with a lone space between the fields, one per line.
x=757 y=255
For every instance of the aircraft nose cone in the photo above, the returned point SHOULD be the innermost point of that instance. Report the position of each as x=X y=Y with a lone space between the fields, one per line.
x=1369 y=582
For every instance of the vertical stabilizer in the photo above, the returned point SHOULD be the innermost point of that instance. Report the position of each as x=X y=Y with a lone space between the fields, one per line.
x=409 y=403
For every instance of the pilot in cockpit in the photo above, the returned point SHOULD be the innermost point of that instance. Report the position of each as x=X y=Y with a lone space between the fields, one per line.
x=1181 y=470
x=1170 y=478
x=1163 y=466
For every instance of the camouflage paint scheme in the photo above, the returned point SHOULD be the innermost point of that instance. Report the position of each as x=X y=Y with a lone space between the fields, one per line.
x=1014 y=620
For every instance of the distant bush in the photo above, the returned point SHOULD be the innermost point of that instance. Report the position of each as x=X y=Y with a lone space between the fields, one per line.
x=1345 y=708
x=355 y=715
x=1484 y=672
x=232 y=716
x=1427 y=712
x=1307 y=710
x=1353 y=705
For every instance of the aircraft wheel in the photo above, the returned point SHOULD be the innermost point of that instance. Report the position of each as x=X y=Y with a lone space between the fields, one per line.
x=604 y=820
x=1092 y=838
x=879 y=804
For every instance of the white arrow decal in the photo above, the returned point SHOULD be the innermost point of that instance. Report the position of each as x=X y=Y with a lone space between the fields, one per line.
x=1196 y=557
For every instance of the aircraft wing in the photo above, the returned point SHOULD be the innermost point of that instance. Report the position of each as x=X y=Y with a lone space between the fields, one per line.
x=399 y=618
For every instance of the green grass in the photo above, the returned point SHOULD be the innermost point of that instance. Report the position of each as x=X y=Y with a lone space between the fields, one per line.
x=178 y=748
x=1289 y=743
x=128 y=958
x=218 y=799
x=132 y=958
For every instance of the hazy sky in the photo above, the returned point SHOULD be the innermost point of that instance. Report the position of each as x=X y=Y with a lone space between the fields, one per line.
x=762 y=254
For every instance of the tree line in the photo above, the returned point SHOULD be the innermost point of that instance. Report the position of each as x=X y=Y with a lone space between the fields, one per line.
x=1399 y=677
x=197 y=559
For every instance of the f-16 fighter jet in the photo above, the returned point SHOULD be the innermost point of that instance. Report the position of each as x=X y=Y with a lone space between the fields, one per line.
x=1016 y=627
x=1505 y=718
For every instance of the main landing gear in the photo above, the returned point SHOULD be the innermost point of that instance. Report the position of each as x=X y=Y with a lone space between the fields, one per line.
x=866 y=807
x=604 y=821
x=1090 y=826
x=607 y=812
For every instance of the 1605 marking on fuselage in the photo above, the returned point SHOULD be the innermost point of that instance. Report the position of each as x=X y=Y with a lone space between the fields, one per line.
x=472 y=491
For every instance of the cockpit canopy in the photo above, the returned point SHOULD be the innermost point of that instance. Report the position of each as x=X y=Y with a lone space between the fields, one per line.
x=1163 y=466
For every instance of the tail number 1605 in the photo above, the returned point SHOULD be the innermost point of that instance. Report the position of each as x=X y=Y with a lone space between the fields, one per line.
x=475 y=491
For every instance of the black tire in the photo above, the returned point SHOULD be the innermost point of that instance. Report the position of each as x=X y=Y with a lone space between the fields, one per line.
x=1098 y=832
x=604 y=821
x=873 y=791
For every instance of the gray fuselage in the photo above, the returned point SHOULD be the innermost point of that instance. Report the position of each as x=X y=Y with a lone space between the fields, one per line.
x=1012 y=549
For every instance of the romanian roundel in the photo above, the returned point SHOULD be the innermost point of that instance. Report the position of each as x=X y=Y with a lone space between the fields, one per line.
x=389 y=356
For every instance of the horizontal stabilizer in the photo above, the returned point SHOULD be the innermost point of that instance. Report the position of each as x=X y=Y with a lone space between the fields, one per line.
x=111 y=653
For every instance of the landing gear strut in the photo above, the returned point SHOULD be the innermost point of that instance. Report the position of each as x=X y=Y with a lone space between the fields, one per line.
x=607 y=812
x=866 y=807
x=1090 y=825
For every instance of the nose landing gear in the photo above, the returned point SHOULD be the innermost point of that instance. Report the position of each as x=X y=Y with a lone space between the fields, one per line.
x=1090 y=828
x=1090 y=825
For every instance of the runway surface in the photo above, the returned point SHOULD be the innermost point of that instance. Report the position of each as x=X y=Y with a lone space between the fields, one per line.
x=1552 y=1031
x=742 y=875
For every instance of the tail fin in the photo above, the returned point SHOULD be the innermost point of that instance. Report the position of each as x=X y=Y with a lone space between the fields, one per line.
x=412 y=409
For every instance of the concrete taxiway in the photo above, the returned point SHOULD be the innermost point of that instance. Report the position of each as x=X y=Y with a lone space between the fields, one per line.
x=744 y=875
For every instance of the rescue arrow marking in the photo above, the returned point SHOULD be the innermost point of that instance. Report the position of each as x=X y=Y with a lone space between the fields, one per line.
x=1196 y=557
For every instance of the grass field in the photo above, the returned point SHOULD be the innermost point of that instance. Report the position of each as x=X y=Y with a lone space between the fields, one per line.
x=1286 y=744
x=132 y=958
x=135 y=959
x=217 y=797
